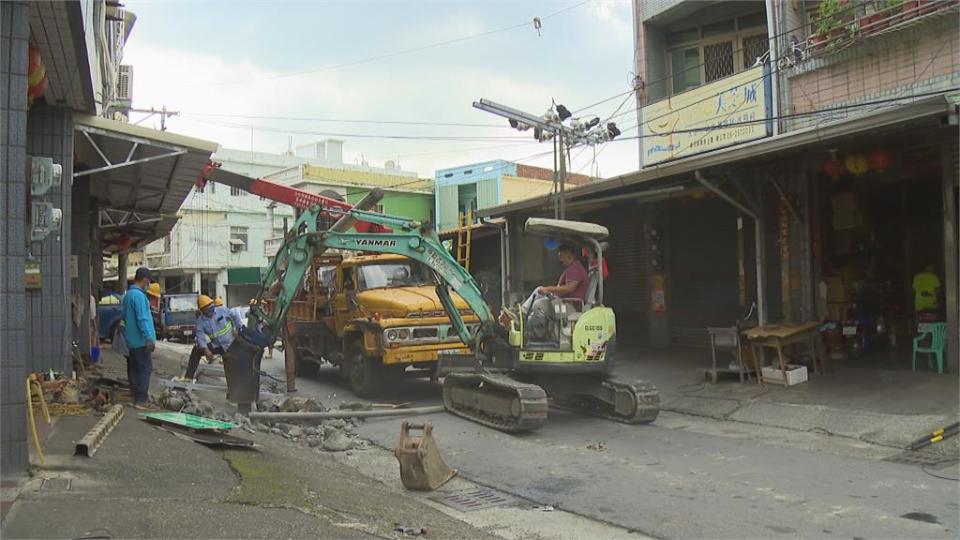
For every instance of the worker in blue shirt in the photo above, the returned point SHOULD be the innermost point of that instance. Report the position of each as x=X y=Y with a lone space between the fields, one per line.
x=140 y=336
x=216 y=329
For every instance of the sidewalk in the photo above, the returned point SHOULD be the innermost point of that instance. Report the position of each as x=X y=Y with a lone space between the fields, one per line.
x=887 y=407
x=148 y=483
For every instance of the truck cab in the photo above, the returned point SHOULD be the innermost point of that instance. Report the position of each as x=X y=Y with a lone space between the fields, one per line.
x=178 y=316
x=377 y=317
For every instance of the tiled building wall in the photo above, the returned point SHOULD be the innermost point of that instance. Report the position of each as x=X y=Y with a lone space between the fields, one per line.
x=921 y=59
x=14 y=32
x=48 y=309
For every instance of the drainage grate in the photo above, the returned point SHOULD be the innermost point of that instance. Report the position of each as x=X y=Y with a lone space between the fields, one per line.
x=55 y=484
x=923 y=459
x=473 y=499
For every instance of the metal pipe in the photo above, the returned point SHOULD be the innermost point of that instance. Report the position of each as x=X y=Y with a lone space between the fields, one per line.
x=758 y=238
x=774 y=48
x=329 y=415
x=723 y=195
x=786 y=201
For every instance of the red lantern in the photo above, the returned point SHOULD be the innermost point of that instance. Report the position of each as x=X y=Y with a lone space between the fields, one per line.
x=834 y=168
x=124 y=242
x=880 y=160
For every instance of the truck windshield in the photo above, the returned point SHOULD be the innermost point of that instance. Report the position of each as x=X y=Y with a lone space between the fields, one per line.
x=182 y=303
x=400 y=274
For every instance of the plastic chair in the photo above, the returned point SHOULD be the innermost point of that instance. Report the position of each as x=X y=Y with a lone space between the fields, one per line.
x=938 y=334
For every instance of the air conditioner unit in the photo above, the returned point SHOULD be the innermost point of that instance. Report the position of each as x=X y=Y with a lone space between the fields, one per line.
x=125 y=85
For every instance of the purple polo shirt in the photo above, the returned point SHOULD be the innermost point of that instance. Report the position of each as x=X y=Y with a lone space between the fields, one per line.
x=575 y=272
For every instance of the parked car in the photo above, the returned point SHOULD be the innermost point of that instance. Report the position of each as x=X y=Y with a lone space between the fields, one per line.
x=109 y=313
x=178 y=316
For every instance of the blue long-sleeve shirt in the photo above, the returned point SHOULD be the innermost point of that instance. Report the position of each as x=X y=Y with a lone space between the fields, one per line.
x=220 y=328
x=137 y=318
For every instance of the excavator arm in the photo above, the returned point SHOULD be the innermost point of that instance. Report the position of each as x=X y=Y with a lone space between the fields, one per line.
x=406 y=237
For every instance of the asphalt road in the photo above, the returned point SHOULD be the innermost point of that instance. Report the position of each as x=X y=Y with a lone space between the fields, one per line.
x=685 y=477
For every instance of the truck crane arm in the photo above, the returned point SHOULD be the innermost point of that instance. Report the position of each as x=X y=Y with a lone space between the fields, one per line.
x=295 y=197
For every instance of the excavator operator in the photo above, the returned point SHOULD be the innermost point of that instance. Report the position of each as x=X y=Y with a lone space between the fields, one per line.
x=217 y=327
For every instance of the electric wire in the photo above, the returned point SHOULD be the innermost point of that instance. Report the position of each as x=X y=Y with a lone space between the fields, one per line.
x=392 y=54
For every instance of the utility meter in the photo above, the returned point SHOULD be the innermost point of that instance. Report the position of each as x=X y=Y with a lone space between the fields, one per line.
x=44 y=174
x=46 y=219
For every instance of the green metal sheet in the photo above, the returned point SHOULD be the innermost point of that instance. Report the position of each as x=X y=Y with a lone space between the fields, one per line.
x=187 y=420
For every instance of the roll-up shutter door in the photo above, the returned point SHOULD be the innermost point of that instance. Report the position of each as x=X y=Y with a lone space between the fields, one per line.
x=626 y=290
x=702 y=279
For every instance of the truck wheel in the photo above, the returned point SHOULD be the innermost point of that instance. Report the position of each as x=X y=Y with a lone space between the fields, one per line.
x=365 y=376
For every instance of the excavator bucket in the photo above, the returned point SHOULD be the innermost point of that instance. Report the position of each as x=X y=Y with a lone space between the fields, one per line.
x=421 y=467
x=241 y=367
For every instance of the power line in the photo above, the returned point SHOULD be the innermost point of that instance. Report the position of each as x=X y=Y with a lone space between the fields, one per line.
x=466 y=138
x=396 y=53
x=345 y=120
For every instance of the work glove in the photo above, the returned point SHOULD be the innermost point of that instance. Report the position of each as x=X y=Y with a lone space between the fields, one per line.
x=151 y=346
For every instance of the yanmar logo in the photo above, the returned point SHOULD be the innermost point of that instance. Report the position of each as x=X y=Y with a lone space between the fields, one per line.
x=363 y=242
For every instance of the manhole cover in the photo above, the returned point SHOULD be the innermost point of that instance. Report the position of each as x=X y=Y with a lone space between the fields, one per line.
x=473 y=499
x=55 y=484
x=923 y=459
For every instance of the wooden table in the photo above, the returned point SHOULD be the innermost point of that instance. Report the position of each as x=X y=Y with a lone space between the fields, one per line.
x=780 y=336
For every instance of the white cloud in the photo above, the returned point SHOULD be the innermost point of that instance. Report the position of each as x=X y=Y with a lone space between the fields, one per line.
x=181 y=81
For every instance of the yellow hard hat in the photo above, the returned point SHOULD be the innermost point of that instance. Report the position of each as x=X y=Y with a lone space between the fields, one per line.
x=203 y=301
x=218 y=301
x=154 y=290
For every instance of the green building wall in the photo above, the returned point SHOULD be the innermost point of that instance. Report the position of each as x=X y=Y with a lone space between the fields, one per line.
x=417 y=206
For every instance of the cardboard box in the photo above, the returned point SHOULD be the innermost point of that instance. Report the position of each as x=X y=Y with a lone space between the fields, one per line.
x=795 y=374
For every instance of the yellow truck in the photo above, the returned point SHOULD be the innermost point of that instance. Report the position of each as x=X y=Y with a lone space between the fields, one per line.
x=376 y=317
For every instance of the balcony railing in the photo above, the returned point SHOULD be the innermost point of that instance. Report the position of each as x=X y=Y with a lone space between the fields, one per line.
x=837 y=32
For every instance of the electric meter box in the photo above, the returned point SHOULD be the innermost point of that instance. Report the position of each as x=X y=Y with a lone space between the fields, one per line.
x=44 y=174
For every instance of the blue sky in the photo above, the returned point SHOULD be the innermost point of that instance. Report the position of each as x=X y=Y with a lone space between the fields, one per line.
x=222 y=62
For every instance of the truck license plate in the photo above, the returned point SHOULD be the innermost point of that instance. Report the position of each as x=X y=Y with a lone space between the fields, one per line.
x=449 y=352
x=849 y=330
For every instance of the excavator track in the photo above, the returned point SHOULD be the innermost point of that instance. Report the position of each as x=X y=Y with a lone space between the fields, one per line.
x=495 y=401
x=628 y=402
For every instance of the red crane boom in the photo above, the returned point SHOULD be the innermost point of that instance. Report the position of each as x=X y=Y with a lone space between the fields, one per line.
x=298 y=198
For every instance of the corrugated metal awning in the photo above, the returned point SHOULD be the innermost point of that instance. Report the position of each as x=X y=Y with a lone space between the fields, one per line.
x=139 y=176
x=761 y=150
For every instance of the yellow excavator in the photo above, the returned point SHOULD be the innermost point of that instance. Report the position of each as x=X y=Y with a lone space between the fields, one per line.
x=545 y=351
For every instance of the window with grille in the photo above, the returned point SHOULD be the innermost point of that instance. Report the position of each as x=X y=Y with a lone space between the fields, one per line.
x=238 y=239
x=718 y=61
x=754 y=47
x=713 y=51
x=235 y=191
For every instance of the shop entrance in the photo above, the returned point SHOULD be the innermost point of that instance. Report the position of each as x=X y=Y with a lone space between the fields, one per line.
x=879 y=230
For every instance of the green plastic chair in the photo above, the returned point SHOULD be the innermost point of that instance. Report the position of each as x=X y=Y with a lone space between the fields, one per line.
x=938 y=337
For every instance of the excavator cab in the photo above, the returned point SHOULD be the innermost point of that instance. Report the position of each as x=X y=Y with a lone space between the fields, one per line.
x=545 y=324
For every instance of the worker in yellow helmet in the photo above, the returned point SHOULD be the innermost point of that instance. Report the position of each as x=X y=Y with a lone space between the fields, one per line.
x=216 y=327
x=153 y=295
x=218 y=302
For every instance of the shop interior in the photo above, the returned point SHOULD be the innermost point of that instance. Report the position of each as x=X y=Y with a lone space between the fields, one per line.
x=881 y=226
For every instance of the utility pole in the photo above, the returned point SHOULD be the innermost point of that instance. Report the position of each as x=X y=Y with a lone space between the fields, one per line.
x=549 y=126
